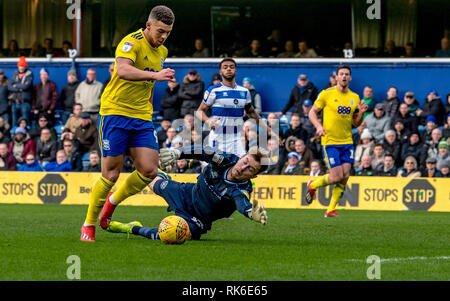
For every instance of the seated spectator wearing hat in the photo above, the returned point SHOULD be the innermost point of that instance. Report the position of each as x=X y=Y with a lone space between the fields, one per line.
x=378 y=122
x=61 y=163
x=45 y=96
x=256 y=97
x=302 y=91
x=387 y=169
x=43 y=122
x=21 y=92
x=7 y=160
x=432 y=106
x=305 y=121
x=410 y=120
x=4 y=101
x=412 y=148
x=332 y=80
x=170 y=102
x=409 y=168
x=94 y=162
x=369 y=100
x=430 y=169
x=364 y=147
x=86 y=134
x=293 y=166
x=215 y=79
x=30 y=164
x=412 y=102
x=444 y=171
x=21 y=144
x=365 y=167
x=430 y=125
x=443 y=156
x=67 y=97
x=191 y=93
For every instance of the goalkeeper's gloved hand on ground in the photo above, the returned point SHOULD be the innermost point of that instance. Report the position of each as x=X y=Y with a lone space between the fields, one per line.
x=168 y=156
x=258 y=214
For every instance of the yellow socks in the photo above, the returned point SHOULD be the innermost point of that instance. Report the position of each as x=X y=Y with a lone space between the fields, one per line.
x=336 y=194
x=322 y=181
x=133 y=184
x=98 y=197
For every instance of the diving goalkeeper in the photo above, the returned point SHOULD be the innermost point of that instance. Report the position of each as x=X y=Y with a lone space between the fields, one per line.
x=223 y=187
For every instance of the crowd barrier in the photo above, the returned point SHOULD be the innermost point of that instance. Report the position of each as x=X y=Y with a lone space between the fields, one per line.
x=365 y=193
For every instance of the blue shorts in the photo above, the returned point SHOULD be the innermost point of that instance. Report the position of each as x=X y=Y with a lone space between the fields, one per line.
x=336 y=155
x=179 y=198
x=118 y=133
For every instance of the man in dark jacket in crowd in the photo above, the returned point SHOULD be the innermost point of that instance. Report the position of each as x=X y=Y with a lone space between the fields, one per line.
x=392 y=146
x=191 y=93
x=432 y=106
x=412 y=148
x=392 y=102
x=410 y=121
x=302 y=91
x=45 y=96
x=86 y=134
x=170 y=101
x=94 y=162
x=21 y=92
x=43 y=122
x=72 y=155
x=387 y=169
x=67 y=98
x=46 y=147
x=412 y=102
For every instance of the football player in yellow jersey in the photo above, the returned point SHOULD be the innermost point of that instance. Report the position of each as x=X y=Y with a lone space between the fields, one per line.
x=341 y=107
x=125 y=120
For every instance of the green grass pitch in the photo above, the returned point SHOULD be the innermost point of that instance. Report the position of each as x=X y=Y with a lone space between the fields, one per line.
x=296 y=245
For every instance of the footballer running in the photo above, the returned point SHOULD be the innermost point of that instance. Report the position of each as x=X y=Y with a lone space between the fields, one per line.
x=341 y=107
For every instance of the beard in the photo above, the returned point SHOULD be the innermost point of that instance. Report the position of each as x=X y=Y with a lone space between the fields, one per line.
x=229 y=78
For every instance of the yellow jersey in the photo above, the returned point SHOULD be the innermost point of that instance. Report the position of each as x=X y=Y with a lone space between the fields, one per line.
x=133 y=98
x=338 y=109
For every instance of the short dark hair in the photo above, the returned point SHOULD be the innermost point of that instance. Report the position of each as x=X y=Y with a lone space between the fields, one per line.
x=162 y=13
x=344 y=67
x=389 y=155
x=378 y=144
x=227 y=59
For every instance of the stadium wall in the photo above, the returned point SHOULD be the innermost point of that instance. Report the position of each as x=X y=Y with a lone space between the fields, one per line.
x=275 y=78
x=362 y=193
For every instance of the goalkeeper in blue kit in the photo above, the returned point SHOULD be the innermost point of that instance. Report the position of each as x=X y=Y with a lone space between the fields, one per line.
x=223 y=187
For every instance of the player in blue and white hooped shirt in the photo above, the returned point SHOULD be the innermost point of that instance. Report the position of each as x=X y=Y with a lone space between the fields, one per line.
x=227 y=101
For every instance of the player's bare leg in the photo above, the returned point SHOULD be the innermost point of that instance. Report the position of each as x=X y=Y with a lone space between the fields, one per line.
x=111 y=167
x=146 y=162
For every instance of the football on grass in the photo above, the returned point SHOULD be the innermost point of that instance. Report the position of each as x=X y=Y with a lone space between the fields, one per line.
x=173 y=230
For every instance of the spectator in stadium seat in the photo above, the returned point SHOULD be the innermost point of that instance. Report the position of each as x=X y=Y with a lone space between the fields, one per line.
x=430 y=170
x=409 y=50
x=412 y=148
x=8 y=159
x=410 y=121
x=304 y=153
x=378 y=122
x=274 y=45
x=302 y=91
x=392 y=146
x=215 y=79
x=293 y=166
x=60 y=164
x=191 y=93
x=4 y=101
x=170 y=102
x=88 y=93
x=391 y=50
x=256 y=97
x=315 y=169
x=412 y=102
x=332 y=80
x=86 y=134
x=443 y=156
x=288 y=50
x=200 y=50
x=273 y=149
x=369 y=100
x=387 y=169
x=30 y=164
x=378 y=155
x=183 y=166
x=21 y=91
x=364 y=147
x=430 y=125
x=401 y=133
x=13 y=49
x=72 y=155
x=171 y=134
x=21 y=145
x=365 y=167
x=49 y=50
x=392 y=102
x=66 y=46
x=46 y=147
x=110 y=71
x=295 y=129
x=432 y=106
x=254 y=51
x=45 y=96
x=36 y=50
x=444 y=171
x=128 y=165
x=304 y=51
x=74 y=121
x=162 y=133
x=445 y=48
x=94 y=162
x=43 y=122
x=67 y=98
x=409 y=168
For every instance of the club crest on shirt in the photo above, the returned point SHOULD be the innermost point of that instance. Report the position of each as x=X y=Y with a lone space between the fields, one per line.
x=127 y=46
x=235 y=101
x=352 y=102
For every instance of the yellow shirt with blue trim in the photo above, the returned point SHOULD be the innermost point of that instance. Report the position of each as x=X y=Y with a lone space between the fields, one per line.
x=338 y=109
x=133 y=98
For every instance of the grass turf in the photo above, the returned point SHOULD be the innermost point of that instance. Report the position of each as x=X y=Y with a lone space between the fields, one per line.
x=296 y=245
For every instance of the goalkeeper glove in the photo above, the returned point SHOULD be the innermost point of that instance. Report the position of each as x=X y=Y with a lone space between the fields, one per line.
x=168 y=156
x=258 y=214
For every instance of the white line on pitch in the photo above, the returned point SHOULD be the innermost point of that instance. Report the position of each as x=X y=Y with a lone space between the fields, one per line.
x=406 y=259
